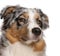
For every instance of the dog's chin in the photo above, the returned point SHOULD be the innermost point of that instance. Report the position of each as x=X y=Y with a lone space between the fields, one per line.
x=29 y=41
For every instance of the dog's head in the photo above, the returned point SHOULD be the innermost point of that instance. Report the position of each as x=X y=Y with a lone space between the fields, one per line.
x=24 y=24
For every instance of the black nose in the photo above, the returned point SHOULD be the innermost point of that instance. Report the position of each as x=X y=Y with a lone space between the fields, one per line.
x=36 y=31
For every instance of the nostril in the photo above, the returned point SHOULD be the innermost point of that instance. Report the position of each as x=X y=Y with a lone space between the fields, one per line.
x=36 y=31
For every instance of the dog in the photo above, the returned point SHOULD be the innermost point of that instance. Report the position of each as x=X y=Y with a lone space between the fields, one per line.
x=22 y=31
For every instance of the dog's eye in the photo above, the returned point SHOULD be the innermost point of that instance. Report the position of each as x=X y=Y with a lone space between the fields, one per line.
x=23 y=20
x=40 y=23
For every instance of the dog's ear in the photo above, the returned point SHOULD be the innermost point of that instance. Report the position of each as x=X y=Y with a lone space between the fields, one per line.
x=7 y=11
x=44 y=19
x=7 y=14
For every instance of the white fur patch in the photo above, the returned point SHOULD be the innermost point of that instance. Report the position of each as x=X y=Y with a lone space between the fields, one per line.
x=19 y=49
x=32 y=22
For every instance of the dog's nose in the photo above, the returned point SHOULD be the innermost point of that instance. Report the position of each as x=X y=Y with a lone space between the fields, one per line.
x=36 y=31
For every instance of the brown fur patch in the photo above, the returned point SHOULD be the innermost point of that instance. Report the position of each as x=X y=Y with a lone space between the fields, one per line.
x=37 y=16
x=38 y=46
x=13 y=34
x=9 y=10
x=25 y=15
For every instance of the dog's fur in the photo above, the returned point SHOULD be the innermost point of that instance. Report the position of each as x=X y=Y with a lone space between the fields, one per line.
x=17 y=38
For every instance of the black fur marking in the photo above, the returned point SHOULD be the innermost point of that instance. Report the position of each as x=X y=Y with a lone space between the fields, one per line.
x=43 y=17
x=40 y=23
x=18 y=25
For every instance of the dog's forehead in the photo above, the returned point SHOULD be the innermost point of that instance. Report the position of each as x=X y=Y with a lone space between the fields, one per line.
x=31 y=12
x=27 y=9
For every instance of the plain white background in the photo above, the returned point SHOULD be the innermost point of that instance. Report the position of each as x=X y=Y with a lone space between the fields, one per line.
x=52 y=9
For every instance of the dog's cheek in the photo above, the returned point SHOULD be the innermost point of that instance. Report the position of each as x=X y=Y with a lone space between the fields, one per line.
x=13 y=34
x=23 y=32
x=11 y=38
